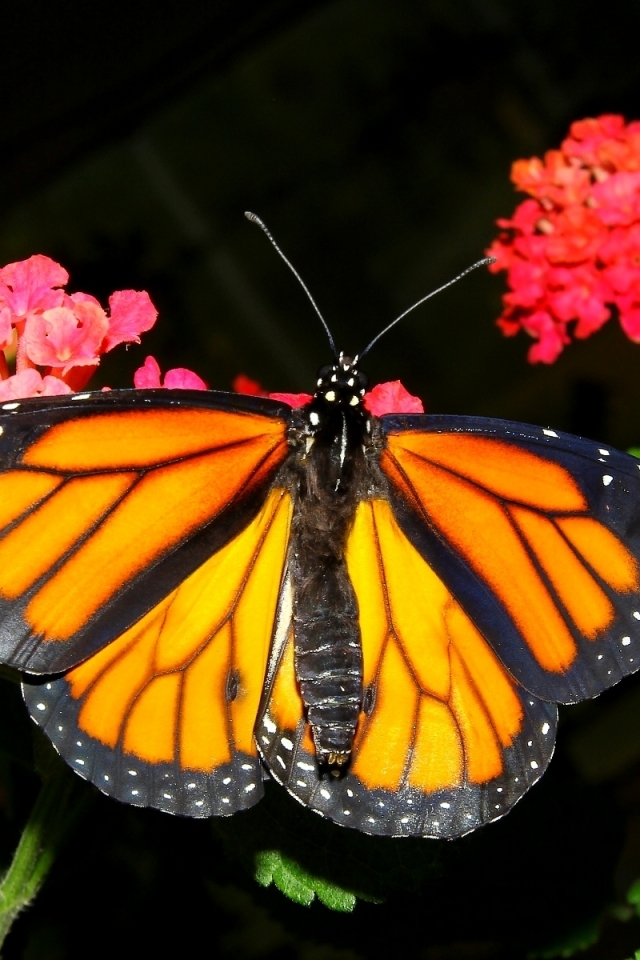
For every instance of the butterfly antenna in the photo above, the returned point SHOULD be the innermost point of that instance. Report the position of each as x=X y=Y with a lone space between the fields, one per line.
x=255 y=219
x=444 y=286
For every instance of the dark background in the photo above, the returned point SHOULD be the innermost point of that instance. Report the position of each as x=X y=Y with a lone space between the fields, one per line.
x=375 y=138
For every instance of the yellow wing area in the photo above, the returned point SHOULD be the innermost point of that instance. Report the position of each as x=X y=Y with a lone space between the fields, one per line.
x=522 y=525
x=95 y=501
x=444 y=708
x=183 y=685
x=446 y=740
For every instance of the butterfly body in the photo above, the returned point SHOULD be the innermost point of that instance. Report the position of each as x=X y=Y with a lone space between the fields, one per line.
x=200 y=585
x=332 y=474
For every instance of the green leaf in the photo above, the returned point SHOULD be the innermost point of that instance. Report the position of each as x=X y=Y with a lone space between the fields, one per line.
x=635 y=452
x=298 y=884
x=633 y=896
x=280 y=843
x=61 y=799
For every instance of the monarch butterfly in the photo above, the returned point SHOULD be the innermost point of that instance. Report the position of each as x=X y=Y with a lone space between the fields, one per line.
x=381 y=612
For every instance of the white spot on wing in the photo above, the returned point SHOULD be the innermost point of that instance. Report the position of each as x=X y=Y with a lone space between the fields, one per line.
x=325 y=793
x=534 y=765
x=286 y=743
x=545 y=729
x=270 y=725
x=10 y=406
x=550 y=433
x=80 y=396
x=607 y=479
x=605 y=453
x=40 y=706
x=626 y=641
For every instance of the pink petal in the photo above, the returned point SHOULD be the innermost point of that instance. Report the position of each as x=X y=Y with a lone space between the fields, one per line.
x=147 y=376
x=30 y=383
x=66 y=338
x=294 y=400
x=131 y=313
x=391 y=397
x=179 y=378
x=28 y=285
x=6 y=330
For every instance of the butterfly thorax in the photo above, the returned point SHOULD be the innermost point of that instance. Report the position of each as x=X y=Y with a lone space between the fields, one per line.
x=332 y=475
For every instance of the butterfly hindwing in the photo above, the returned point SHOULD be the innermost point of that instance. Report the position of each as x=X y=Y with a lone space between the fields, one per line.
x=447 y=739
x=164 y=716
x=109 y=500
x=536 y=534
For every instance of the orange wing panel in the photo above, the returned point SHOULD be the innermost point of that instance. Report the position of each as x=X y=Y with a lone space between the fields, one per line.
x=505 y=470
x=444 y=706
x=163 y=509
x=144 y=438
x=164 y=691
x=383 y=745
x=21 y=490
x=586 y=602
x=481 y=531
x=437 y=761
x=29 y=550
x=151 y=727
x=603 y=551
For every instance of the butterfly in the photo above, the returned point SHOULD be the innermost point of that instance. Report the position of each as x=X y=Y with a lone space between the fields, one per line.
x=380 y=613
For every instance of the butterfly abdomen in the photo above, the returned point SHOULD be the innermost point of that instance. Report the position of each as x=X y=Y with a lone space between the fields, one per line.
x=328 y=649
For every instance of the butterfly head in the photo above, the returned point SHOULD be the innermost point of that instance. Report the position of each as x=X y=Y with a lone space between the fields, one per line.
x=341 y=385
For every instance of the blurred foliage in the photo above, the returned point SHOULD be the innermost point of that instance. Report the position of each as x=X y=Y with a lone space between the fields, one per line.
x=375 y=139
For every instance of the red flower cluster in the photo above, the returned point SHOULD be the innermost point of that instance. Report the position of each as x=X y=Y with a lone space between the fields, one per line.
x=573 y=251
x=57 y=338
x=389 y=397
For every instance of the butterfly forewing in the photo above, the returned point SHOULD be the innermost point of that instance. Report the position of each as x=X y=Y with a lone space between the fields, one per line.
x=140 y=487
x=536 y=534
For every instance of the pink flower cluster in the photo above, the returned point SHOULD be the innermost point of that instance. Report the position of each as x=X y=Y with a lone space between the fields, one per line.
x=572 y=252
x=57 y=338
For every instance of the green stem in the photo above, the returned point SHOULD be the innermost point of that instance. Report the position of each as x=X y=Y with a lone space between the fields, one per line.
x=57 y=806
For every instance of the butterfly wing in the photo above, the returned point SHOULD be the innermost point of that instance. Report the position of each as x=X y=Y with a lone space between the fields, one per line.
x=447 y=739
x=108 y=501
x=164 y=715
x=537 y=536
